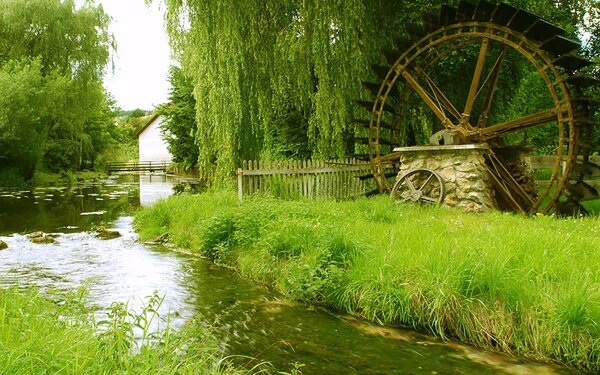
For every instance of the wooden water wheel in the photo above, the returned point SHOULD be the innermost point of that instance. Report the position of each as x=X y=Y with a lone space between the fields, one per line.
x=492 y=74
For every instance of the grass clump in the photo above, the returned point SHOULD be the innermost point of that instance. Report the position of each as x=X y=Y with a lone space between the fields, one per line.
x=39 y=335
x=528 y=286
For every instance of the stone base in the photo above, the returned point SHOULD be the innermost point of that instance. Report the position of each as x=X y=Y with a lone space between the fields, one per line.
x=462 y=169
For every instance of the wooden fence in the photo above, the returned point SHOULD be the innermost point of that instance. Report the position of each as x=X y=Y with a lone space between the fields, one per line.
x=547 y=162
x=335 y=179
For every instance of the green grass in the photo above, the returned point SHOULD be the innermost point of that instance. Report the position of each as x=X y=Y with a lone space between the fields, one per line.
x=12 y=179
x=47 y=178
x=527 y=286
x=59 y=335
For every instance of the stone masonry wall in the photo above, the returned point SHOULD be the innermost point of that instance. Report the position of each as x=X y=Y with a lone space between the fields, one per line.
x=462 y=169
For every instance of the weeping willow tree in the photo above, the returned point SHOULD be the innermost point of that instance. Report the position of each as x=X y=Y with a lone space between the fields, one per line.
x=280 y=78
x=277 y=79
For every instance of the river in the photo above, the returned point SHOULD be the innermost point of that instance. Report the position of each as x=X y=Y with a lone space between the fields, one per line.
x=249 y=320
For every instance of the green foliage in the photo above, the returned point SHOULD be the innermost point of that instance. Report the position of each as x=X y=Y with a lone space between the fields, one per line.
x=22 y=129
x=521 y=285
x=279 y=79
x=179 y=128
x=11 y=177
x=122 y=144
x=59 y=334
x=218 y=238
x=54 y=111
x=134 y=113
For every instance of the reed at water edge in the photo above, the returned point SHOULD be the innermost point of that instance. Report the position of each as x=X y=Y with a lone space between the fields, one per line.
x=57 y=334
x=529 y=286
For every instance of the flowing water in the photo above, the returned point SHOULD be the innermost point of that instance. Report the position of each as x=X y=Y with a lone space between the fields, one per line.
x=249 y=320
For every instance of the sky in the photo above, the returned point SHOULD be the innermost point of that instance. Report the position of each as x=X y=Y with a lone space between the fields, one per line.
x=142 y=60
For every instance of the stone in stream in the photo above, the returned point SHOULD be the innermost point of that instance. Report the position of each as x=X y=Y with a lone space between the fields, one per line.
x=35 y=234
x=3 y=245
x=158 y=240
x=107 y=234
x=41 y=238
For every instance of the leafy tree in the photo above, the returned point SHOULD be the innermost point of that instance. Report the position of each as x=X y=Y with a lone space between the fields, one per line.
x=138 y=112
x=53 y=56
x=180 y=127
x=22 y=129
x=275 y=76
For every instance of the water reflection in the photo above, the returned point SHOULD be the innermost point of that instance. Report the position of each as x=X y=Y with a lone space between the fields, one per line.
x=248 y=319
x=62 y=209
x=154 y=187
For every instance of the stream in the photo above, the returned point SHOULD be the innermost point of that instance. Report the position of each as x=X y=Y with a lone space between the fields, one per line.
x=249 y=320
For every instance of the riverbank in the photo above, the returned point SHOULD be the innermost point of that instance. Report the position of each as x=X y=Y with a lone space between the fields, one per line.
x=60 y=335
x=525 y=286
x=12 y=179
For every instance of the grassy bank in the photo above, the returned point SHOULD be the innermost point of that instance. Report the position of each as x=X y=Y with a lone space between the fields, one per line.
x=12 y=179
x=41 y=336
x=528 y=286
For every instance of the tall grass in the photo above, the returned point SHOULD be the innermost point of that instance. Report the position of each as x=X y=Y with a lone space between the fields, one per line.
x=11 y=177
x=42 y=336
x=528 y=286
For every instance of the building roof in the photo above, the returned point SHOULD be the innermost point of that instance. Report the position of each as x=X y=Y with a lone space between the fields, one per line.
x=144 y=127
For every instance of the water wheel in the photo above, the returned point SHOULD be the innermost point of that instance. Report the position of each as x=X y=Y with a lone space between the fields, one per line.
x=492 y=74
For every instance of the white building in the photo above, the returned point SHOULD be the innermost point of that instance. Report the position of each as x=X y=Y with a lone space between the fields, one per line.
x=151 y=145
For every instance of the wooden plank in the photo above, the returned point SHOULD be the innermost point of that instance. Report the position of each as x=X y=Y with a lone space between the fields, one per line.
x=329 y=184
x=295 y=179
x=261 y=177
x=288 y=179
x=240 y=185
x=334 y=179
x=335 y=184
x=316 y=170
x=137 y=166
x=245 y=178
x=541 y=161
x=311 y=180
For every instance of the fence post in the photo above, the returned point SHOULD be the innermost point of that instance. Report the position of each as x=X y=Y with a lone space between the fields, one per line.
x=240 y=176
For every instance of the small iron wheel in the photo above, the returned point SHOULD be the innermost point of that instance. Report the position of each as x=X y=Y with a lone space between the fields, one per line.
x=419 y=185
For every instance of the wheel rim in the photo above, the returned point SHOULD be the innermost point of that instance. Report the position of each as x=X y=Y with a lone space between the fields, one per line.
x=419 y=186
x=410 y=77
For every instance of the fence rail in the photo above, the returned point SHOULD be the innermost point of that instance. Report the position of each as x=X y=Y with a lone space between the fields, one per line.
x=547 y=162
x=137 y=166
x=332 y=179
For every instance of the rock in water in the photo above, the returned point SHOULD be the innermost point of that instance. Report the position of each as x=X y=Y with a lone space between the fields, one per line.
x=35 y=235
x=107 y=234
x=43 y=239
x=3 y=245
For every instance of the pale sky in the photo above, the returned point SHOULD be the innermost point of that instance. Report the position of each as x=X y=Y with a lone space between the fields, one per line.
x=142 y=59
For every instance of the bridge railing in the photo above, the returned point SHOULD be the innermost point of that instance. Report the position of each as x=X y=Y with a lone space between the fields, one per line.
x=135 y=166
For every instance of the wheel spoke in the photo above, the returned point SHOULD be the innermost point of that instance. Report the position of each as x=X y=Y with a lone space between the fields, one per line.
x=426 y=182
x=439 y=112
x=483 y=118
x=428 y=199
x=410 y=185
x=439 y=94
x=525 y=122
x=506 y=184
x=475 y=83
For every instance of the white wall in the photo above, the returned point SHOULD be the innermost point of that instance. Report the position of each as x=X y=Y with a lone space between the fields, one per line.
x=151 y=145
